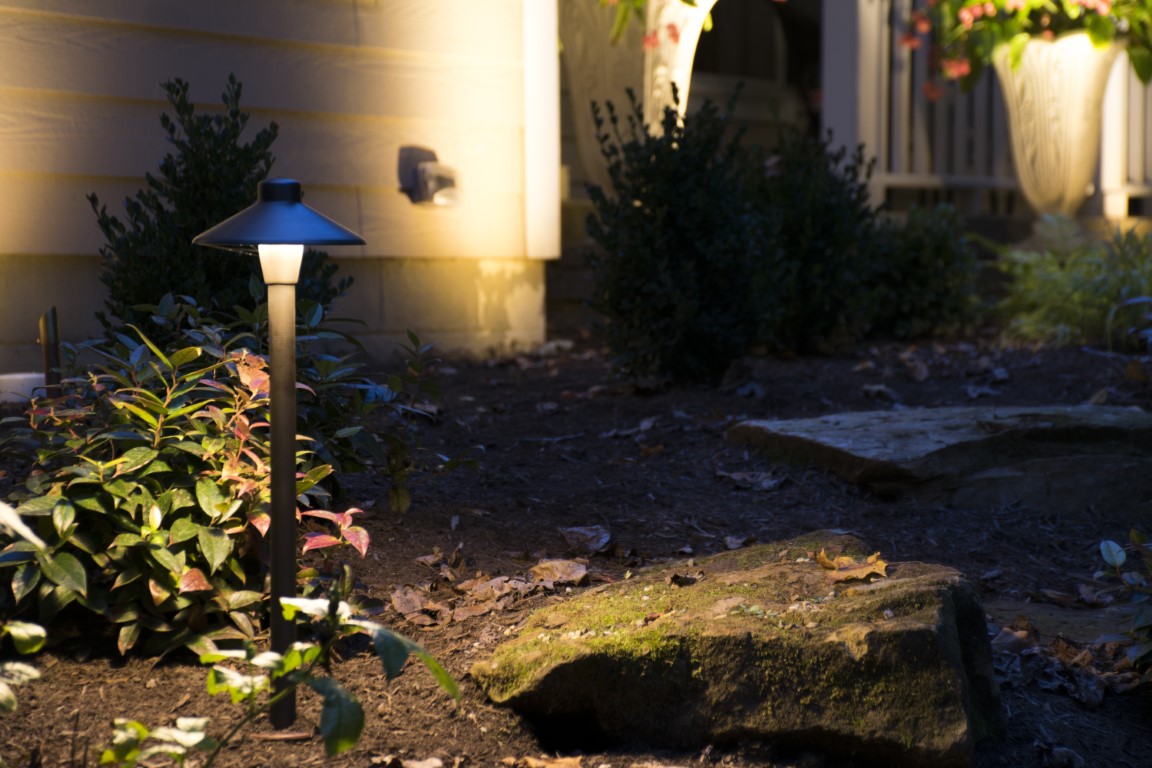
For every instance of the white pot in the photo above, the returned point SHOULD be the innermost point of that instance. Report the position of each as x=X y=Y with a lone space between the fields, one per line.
x=1054 y=100
x=599 y=71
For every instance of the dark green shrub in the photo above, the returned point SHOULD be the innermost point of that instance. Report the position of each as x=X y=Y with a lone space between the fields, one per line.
x=209 y=176
x=149 y=483
x=1077 y=288
x=149 y=477
x=817 y=292
x=925 y=278
x=678 y=235
x=335 y=399
x=706 y=250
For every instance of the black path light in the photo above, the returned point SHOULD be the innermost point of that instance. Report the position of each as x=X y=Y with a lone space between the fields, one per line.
x=278 y=227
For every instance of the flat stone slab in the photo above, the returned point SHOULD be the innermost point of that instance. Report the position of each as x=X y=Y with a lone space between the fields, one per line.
x=762 y=643
x=887 y=448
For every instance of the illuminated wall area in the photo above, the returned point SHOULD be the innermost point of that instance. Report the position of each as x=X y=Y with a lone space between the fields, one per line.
x=351 y=83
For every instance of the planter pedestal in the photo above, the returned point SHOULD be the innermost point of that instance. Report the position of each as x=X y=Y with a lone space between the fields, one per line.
x=1054 y=101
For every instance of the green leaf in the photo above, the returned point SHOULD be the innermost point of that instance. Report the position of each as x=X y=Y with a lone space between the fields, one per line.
x=126 y=540
x=135 y=458
x=120 y=487
x=7 y=699
x=216 y=546
x=128 y=636
x=182 y=530
x=38 y=507
x=63 y=518
x=24 y=580
x=341 y=718
x=209 y=497
x=391 y=650
x=155 y=350
x=1141 y=59
x=183 y=356
x=242 y=598
x=1101 y=30
x=51 y=600
x=65 y=570
x=439 y=674
x=27 y=637
x=166 y=559
x=148 y=418
x=1016 y=48
x=1112 y=553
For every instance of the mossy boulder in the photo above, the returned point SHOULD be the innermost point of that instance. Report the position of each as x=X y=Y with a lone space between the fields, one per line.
x=762 y=643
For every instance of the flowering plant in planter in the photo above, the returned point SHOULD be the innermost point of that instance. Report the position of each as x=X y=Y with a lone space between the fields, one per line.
x=627 y=9
x=964 y=33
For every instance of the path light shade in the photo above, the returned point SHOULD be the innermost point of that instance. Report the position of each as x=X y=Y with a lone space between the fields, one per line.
x=278 y=227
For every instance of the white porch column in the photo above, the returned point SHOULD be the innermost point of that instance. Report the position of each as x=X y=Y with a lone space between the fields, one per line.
x=1114 y=143
x=541 y=129
x=854 y=38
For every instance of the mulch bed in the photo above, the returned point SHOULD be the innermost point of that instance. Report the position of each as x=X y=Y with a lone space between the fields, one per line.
x=559 y=445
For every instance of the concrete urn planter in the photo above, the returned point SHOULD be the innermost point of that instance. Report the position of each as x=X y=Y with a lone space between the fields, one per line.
x=1054 y=101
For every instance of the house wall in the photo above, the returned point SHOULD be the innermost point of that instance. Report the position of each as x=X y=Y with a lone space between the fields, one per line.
x=349 y=82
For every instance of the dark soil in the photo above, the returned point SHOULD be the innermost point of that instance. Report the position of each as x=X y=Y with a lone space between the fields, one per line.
x=560 y=444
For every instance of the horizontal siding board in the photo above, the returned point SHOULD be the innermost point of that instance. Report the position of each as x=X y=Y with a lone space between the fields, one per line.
x=69 y=55
x=417 y=27
x=491 y=226
x=57 y=133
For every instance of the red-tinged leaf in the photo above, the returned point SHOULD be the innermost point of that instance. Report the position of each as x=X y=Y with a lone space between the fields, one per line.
x=214 y=384
x=333 y=516
x=357 y=537
x=159 y=592
x=260 y=521
x=319 y=541
x=194 y=581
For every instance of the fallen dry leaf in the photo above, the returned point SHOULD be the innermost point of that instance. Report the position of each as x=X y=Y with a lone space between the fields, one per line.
x=407 y=600
x=559 y=572
x=431 y=762
x=590 y=539
x=845 y=568
x=471 y=611
x=551 y=762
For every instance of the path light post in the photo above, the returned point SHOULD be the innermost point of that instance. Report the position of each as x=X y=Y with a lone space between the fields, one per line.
x=278 y=227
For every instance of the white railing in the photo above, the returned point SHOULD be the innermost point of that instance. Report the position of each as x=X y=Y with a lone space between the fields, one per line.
x=956 y=147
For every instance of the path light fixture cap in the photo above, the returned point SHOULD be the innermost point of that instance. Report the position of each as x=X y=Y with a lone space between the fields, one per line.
x=278 y=217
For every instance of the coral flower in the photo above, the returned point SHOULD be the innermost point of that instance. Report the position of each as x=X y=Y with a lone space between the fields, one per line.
x=955 y=69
